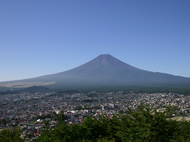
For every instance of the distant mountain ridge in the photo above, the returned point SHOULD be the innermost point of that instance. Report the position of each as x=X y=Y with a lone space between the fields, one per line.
x=105 y=71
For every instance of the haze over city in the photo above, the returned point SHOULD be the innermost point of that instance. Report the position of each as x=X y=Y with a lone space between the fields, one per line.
x=45 y=37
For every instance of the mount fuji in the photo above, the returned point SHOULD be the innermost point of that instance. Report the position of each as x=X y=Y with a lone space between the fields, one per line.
x=105 y=71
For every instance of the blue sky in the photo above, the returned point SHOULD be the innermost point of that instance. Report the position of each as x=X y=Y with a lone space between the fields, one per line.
x=39 y=37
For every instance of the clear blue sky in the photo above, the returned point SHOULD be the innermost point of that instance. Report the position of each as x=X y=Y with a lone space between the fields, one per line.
x=39 y=37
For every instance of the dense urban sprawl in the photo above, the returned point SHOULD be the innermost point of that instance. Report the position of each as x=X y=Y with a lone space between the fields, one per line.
x=31 y=110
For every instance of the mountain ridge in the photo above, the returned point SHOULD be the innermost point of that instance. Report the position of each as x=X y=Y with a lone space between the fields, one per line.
x=105 y=71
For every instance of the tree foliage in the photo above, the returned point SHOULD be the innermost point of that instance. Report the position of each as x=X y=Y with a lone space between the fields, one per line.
x=10 y=135
x=145 y=124
x=142 y=125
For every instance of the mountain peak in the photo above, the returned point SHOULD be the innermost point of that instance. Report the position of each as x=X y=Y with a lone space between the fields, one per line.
x=107 y=59
x=104 y=56
x=103 y=59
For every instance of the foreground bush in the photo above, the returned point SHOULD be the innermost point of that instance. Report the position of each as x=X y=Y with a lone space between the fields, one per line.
x=143 y=125
x=10 y=135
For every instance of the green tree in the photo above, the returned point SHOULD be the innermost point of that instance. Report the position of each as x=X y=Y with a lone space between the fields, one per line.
x=146 y=124
x=11 y=135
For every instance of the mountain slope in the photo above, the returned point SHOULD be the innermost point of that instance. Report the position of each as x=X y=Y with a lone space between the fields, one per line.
x=107 y=71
